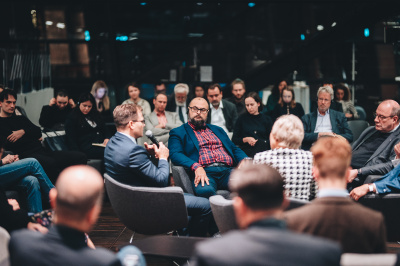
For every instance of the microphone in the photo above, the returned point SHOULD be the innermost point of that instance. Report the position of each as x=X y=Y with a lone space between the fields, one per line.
x=150 y=135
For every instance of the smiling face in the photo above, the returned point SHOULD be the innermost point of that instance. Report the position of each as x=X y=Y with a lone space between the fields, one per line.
x=252 y=106
x=85 y=107
x=133 y=92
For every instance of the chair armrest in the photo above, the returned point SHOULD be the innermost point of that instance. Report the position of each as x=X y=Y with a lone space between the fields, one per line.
x=182 y=179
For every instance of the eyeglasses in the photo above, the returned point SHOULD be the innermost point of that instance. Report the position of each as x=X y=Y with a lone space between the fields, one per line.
x=382 y=117
x=196 y=110
x=142 y=121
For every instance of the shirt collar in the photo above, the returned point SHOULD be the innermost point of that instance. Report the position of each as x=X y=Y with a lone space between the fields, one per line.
x=394 y=129
x=159 y=113
x=220 y=105
x=319 y=114
x=132 y=138
x=333 y=192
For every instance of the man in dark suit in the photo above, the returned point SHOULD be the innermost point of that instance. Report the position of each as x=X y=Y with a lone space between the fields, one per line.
x=77 y=208
x=324 y=121
x=204 y=149
x=129 y=163
x=222 y=112
x=264 y=240
x=177 y=101
x=333 y=214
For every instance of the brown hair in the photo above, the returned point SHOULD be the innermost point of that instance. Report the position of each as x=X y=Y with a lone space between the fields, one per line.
x=238 y=81
x=124 y=113
x=292 y=103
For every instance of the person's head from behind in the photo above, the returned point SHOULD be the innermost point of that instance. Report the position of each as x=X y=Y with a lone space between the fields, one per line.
x=287 y=132
x=8 y=99
x=160 y=102
x=214 y=94
x=387 y=116
x=87 y=104
x=259 y=193
x=62 y=99
x=332 y=157
x=342 y=92
x=253 y=103
x=238 y=88
x=78 y=197
x=128 y=118
x=181 y=91
x=133 y=91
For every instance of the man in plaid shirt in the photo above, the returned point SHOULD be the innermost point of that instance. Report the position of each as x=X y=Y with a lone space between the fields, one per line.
x=204 y=149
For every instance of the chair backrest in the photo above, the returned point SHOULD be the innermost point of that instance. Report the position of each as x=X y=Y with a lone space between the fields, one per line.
x=361 y=112
x=223 y=213
x=147 y=210
x=295 y=203
x=357 y=127
x=352 y=259
x=4 y=255
x=182 y=179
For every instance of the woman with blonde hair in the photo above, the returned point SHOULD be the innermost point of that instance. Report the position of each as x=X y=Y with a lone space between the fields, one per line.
x=100 y=93
x=293 y=163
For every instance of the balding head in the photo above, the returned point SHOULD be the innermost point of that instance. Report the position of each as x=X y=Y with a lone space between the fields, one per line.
x=387 y=116
x=198 y=110
x=79 y=191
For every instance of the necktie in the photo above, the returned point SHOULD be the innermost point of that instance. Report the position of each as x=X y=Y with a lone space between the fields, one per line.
x=181 y=114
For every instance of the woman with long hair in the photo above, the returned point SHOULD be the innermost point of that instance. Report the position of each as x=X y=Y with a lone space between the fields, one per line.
x=273 y=99
x=342 y=96
x=287 y=105
x=100 y=93
x=134 y=93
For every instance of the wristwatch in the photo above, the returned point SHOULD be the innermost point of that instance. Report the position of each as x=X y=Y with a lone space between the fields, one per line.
x=371 y=187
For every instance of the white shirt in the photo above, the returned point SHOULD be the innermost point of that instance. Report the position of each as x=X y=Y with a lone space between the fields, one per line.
x=184 y=110
x=323 y=122
x=217 y=116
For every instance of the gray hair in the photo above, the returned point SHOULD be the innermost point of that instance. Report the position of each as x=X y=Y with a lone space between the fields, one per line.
x=326 y=89
x=181 y=87
x=288 y=130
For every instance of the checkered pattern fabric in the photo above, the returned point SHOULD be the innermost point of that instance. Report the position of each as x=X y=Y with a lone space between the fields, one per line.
x=295 y=166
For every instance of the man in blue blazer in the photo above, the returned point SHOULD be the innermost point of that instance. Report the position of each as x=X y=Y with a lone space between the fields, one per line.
x=205 y=149
x=129 y=163
x=324 y=121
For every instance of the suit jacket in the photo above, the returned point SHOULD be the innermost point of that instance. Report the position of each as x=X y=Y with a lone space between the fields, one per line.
x=162 y=134
x=184 y=146
x=380 y=162
x=358 y=228
x=60 y=246
x=338 y=122
x=129 y=163
x=230 y=115
x=266 y=243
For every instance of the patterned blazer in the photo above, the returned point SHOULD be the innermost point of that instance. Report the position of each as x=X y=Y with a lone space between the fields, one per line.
x=295 y=166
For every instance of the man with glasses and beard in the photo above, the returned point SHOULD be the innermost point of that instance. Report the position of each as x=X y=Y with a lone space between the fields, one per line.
x=204 y=149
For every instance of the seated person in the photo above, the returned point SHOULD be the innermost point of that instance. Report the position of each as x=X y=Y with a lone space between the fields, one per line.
x=22 y=137
x=287 y=105
x=273 y=98
x=374 y=152
x=53 y=116
x=293 y=163
x=84 y=127
x=238 y=96
x=129 y=163
x=100 y=93
x=324 y=121
x=264 y=238
x=177 y=101
x=134 y=93
x=222 y=112
x=342 y=96
x=333 y=214
x=160 y=122
x=26 y=175
x=18 y=109
x=252 y=128
x=76 y=209
x=204 y=149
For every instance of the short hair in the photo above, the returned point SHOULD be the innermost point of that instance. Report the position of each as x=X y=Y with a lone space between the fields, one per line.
x=256 y=98
x=62 y=93
x=181 y=87
x=326 y=89
x=344 y=88
x=213 y=86
x=160 y=93
x=238 y=81
x=395 y=108
x=289 y=131
x=124 y=113
x=5 y=94
x=132 y=84
x=260 y=186
x=332 y=157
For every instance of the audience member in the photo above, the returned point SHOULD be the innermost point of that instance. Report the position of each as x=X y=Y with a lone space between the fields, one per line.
x=252 y=128
x=342 y=96
x=158 y=88
x=23 y=138
x=18 y=109
x=294 y=164
x=129 y=163
x=324 y=121
x=333 y=214
x=26 y=175
x=334 y=104
x=160 y=122
x=223 y=113
x=76 y=209
x=238 y=96
x=287 y=105
x=375 y=149
x=199 y=91
x=134 y=93
x=204 y=149
x=100 y=93
x=264 y=239
x=177 y=101
x=54 y=115
x=85 y=126
x=273 y=99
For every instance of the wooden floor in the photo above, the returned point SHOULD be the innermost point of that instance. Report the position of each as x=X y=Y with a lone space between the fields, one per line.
x=110 y=233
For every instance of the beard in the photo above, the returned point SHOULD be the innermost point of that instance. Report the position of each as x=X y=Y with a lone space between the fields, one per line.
x=197 y=123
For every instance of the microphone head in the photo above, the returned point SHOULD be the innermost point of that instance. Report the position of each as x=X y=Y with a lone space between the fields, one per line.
x=149 y=134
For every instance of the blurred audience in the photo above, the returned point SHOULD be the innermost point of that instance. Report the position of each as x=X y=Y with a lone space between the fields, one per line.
x=134 y=93
x=100 y=93
x=342 y=96
x=238 y=95
x=287 y=105
x=273 y=99
x=177 y=101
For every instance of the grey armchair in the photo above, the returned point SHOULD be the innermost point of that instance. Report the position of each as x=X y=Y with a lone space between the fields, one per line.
x=4 y=255
x=147 y=210
x=223 y=213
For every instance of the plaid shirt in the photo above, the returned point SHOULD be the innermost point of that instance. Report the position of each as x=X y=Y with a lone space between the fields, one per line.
x=211 y=148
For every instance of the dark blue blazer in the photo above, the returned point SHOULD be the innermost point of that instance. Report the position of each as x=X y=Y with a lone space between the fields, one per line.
x=184 y=146
x=129 y=163
x=338 y=122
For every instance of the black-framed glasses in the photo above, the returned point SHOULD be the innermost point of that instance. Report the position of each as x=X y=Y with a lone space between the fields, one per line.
x=382 y=117
x=196 y=110
x=142 y=121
